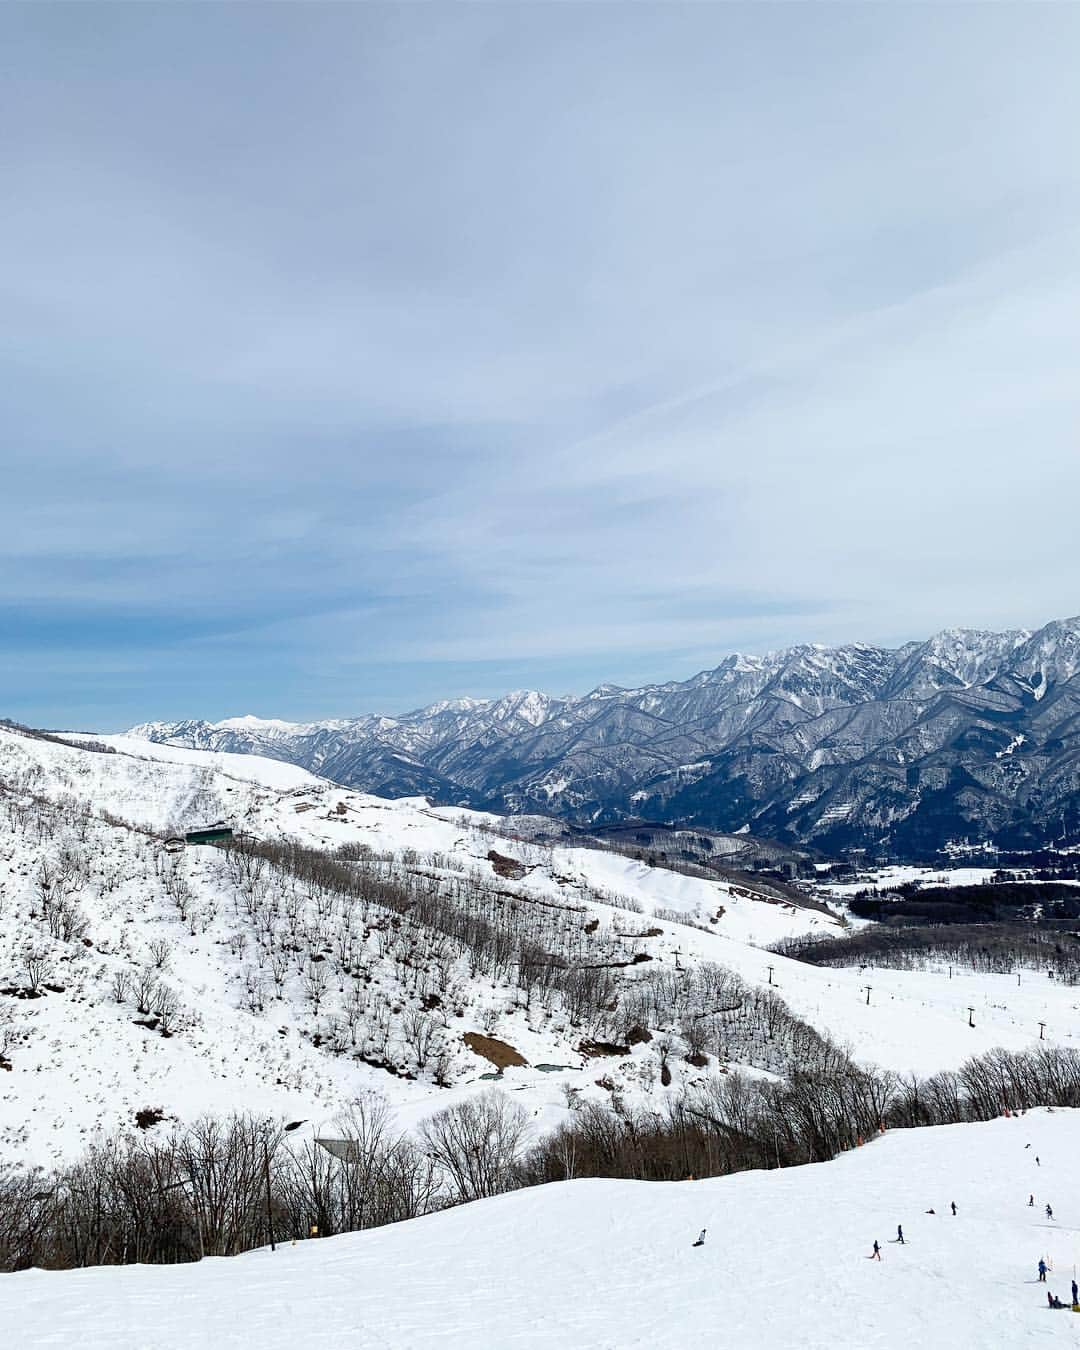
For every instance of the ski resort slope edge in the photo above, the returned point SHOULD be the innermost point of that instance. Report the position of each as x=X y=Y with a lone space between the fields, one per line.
x=608 y=1265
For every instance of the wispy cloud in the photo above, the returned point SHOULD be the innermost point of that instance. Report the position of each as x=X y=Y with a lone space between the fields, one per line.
x=354 y=356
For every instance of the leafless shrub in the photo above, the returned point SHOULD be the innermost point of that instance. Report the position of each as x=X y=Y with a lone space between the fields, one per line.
x=160 y=954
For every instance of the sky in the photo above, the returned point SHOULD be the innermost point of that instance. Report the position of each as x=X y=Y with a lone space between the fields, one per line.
x=357 y=356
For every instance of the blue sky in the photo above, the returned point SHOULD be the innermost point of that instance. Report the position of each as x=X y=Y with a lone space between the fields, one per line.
x=358 y=356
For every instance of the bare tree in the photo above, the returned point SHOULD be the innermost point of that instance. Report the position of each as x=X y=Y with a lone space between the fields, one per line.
x=316 y=979
x=144 y=988
x=35 y=963
x=476 y=1144
x=420 y=1034
x=166 y=1008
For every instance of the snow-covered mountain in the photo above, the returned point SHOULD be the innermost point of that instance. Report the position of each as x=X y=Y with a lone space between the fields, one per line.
x=970 y=735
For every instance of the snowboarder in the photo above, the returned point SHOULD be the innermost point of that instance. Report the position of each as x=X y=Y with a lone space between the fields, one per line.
x=929 y=1211
x=877 y=1252
x=1037 y=1162
x=1049 y=1212
x=1031 y=1201
x=954 y=1209
x=701 y=1239
x=1075 y=1299
x=900 y=1234
x=1055 y=1302
x=1042 y=1271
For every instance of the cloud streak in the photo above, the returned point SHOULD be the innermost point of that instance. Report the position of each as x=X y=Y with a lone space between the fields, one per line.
x=357 y=356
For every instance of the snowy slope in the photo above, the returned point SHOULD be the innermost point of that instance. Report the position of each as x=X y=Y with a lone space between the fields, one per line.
x=272 y=773
x=81 y=1061
x=608 y=1265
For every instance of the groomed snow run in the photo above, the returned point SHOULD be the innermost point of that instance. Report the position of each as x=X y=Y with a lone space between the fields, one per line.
x=608 y=1265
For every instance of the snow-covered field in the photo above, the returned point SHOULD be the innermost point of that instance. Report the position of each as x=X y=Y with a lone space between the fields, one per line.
x=886 y=878
x=608 y=1265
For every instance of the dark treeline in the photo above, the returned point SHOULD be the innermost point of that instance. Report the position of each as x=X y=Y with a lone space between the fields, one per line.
x=216 y=1188
x=995 y=948
x=222 y=1186
x=994 y=902
x=734 y=1123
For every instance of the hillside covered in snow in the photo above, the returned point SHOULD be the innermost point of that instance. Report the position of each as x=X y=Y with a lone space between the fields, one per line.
x=352 y=945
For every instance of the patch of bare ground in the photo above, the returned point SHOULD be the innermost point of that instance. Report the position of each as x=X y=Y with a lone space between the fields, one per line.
x=496 y=1052
x=506 y=867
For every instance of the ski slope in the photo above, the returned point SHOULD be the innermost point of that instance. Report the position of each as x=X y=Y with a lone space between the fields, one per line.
x=608 y=1265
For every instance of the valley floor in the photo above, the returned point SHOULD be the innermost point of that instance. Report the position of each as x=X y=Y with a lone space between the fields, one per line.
x=608 y=1265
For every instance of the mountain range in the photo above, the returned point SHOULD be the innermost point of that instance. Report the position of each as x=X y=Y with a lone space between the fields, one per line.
x=970 y=736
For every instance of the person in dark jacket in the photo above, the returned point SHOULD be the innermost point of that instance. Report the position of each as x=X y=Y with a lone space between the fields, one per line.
x=900 y=1234
x=954 y=1208
x=877 y=1252
x=1049 y=1212
x=1075 y=1299
x=1042 y=1271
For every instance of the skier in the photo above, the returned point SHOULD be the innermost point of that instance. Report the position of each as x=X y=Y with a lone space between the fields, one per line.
x=1031 y=1201
x=954 y=1208
x=899 y=1234
x=701 y=1239
x=1075 y=1299
x=1042 y=1271
x=1037 y=1162
x=877 y=1252
x=1049 y=1212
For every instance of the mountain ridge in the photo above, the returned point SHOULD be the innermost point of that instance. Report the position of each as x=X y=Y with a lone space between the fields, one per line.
x=969 y=735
